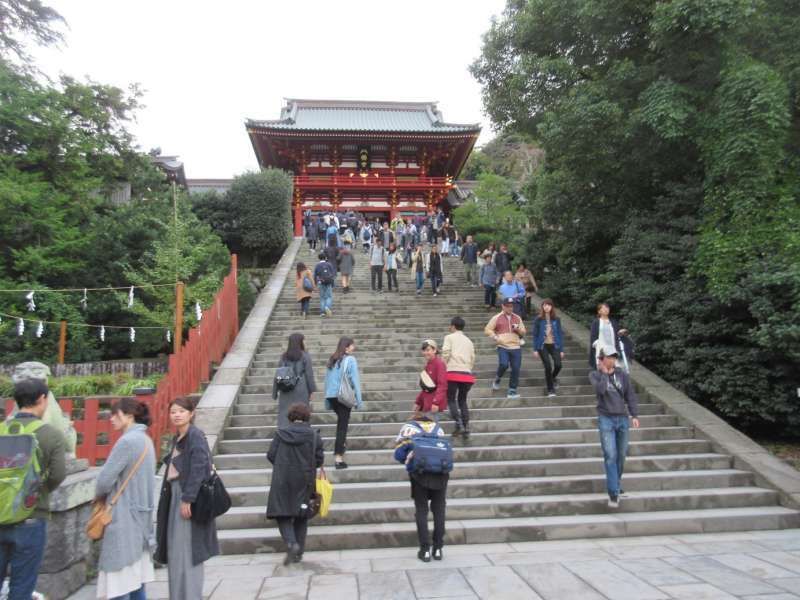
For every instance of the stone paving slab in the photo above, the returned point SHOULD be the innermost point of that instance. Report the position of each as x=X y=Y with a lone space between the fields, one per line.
x=758 y=565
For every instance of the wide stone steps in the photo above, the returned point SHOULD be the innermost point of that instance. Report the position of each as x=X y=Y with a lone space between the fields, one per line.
x=496 y=530
x=531 y=469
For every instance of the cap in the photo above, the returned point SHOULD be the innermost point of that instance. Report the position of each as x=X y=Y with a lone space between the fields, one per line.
x=508 y=301
x=431 y=343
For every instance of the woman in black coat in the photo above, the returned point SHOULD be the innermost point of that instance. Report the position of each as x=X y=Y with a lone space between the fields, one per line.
x=296 y=454
x=435 y=269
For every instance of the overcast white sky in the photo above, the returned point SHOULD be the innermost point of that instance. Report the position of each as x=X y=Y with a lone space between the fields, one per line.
x=207 y=65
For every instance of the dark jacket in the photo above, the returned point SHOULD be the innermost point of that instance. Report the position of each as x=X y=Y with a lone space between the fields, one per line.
x=615 y=394
x=435 y=265
x=194 y=465
x=469 y=253
x=503 y=262
x=539 y=330
x=332 y=256
x=293 y=469
x=595 y=333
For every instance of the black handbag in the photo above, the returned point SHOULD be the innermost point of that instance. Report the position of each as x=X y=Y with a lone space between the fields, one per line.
x=212 y=500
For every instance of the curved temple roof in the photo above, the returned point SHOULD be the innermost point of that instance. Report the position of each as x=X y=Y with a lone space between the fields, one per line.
x=344 y=115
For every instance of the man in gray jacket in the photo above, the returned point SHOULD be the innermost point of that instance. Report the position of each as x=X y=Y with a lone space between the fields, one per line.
x=616 y=399
x=469 y=256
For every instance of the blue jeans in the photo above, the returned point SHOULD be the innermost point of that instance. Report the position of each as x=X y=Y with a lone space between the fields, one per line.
x=134 y=595
x=325 y=297
x=420 y=280
x=22 y=549
x=512 y=358
x=614 y=440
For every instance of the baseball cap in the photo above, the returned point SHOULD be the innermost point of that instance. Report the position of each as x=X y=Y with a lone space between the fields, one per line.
x=508 y=301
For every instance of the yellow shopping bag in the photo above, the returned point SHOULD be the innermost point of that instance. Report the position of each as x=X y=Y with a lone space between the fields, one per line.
x=325 y=491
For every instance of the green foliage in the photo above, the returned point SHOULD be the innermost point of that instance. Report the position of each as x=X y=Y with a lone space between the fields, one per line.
x=671 y=181
x=262 y=201
x=27 y=18
x=120 y=384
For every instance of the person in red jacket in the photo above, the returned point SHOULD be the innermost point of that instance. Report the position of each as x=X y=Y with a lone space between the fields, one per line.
x=432 y=380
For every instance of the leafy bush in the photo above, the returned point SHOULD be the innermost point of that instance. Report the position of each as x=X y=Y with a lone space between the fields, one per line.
x=121 y=384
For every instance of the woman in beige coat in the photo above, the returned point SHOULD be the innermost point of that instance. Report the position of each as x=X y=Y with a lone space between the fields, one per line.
x=304 y=287
x=458 y=353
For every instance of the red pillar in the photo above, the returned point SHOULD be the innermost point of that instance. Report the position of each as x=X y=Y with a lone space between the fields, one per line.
x=298 y=220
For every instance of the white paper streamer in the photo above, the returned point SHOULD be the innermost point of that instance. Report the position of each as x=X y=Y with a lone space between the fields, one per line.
x=169 y=335
x=84 y=300
x=130 y=297
x=20 y=326
x=102 y=333
x=39 y=329
x=198 y=311
x=31 y=302
x=133 y=333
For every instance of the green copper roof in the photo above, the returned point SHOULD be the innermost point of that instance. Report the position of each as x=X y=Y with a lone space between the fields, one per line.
x=340 y=115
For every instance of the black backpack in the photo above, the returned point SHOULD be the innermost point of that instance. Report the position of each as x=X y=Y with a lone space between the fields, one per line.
x=286 y=377
x=325 y=273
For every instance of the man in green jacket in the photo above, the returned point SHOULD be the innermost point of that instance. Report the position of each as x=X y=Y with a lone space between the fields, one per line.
x=22 y=544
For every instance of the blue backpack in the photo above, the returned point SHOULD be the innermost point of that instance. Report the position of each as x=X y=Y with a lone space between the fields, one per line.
x=432 y=453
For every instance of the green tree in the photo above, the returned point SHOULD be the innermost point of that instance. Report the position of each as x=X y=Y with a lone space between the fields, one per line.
x=262 y=201
x=637 y=104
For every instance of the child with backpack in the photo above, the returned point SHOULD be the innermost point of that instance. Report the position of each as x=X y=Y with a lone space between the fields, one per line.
x=32 y=464
x=428 y=457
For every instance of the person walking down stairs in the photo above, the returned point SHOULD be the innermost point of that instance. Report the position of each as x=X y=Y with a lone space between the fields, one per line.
x=548 y=344
x=392 y=264
x=458 y=353
x=304 y=287
x=377 y=263
x=507 y=330
x=418 y=267
x=435 y=269
x=296 y=383
x=341 y=364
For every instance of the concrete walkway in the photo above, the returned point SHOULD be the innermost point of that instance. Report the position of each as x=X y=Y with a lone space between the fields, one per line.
x=761 y=565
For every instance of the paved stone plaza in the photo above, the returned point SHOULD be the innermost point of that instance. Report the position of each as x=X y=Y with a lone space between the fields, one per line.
x=762 y=565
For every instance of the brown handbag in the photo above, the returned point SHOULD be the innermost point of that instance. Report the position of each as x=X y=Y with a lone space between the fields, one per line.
x=102 y=510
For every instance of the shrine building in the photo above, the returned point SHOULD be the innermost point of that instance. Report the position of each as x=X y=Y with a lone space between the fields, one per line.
x=380 y=159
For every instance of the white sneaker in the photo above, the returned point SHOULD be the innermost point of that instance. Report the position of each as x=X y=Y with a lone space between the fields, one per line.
x=496 y=384
x=613 y=502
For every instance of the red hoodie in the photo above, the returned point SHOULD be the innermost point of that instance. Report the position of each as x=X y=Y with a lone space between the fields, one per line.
x=438 y=372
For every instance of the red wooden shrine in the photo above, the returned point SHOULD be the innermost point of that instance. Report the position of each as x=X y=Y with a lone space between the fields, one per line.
x=381 y=158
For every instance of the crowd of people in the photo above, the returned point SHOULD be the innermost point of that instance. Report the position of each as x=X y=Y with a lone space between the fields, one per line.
x=127 y=479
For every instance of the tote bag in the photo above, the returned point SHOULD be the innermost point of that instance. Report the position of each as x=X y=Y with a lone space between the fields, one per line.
x=346 y=394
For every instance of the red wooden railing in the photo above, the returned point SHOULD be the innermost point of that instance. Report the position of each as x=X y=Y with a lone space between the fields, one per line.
x=206 y=343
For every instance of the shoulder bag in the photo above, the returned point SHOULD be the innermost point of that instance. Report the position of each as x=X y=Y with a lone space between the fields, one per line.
x=346 y=394
x=102 y=511
x=212 y=499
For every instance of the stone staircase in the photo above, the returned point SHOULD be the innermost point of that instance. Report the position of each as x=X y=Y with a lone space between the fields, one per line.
x=531 y=470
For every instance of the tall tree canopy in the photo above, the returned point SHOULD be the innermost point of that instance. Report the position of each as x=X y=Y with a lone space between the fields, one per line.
x=671 y=133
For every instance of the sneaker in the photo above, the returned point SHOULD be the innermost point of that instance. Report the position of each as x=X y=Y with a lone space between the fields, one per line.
x=465 y=432
x=328 y=312
x=496 y=384
x=424 y=555
x=623 y=493
x=419 y=292
x=437 y=554
x=435 y=295
x=555 y=383
x=551 y=394
x=341 y=465
x=613 y=502
x=512 y=395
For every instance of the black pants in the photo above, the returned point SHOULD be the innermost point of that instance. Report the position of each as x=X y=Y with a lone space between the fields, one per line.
x=304 y=305
x=377 y=275
x=391 y=277
x=489 y=297
x=547 y=353
x=312 y=244
x=422 y=496
x=457 y=401
x=293 y=530
x=342 y=423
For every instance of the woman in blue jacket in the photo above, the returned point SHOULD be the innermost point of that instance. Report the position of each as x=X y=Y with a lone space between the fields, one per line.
x=548 y=343
x=342 y=363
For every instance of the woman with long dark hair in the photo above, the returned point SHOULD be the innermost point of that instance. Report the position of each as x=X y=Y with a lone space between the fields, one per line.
x=435 y=269
x=604 y=334
x=183 y=543
x=342 y=363
x=548 y=343
x=299 y=361
x=125 y=564
x=303 y=279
